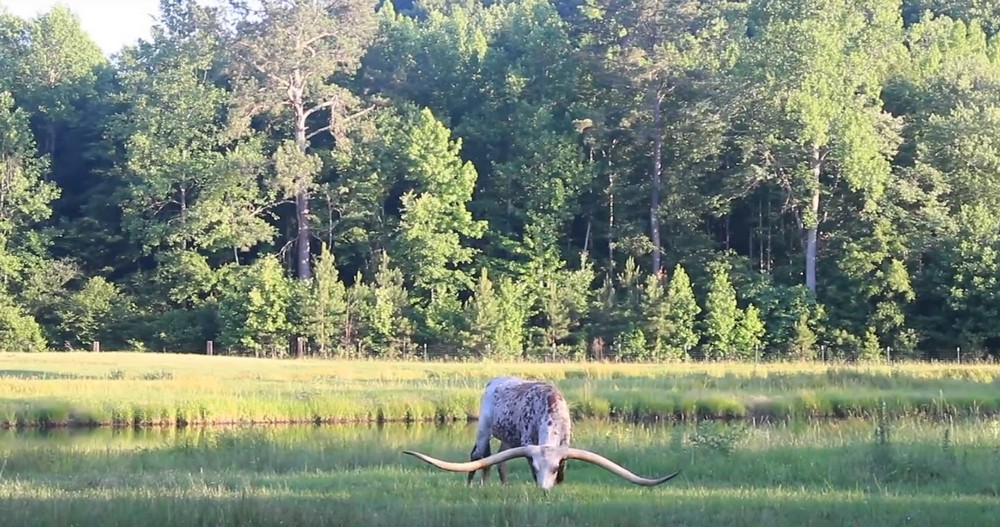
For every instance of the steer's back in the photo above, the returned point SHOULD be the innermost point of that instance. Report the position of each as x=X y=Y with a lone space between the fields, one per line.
x=526 y=412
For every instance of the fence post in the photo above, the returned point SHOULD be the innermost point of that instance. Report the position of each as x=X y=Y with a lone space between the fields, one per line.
x=888 y=354
x=958 y=354
x=300 y=347
x=425 y=352
x=209 y=345
x=95 y=347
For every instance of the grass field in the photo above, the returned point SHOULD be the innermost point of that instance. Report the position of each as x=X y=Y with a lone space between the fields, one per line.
x=915 y=473
x=912 y=444
x=128 y=389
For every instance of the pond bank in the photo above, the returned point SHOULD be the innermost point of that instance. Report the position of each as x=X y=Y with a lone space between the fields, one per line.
x=160 y=390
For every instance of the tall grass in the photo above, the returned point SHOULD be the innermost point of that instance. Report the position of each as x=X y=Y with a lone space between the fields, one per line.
x=919 y=473
x=121 y=389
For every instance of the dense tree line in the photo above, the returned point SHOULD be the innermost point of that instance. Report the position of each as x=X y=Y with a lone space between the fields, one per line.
x=640 y=179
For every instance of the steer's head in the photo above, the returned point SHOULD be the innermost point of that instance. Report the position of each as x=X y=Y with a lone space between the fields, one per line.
x=547 y=464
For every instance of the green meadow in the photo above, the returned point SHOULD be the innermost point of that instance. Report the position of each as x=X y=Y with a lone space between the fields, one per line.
x=843 y=472
x=154 y=439
x=123 y=389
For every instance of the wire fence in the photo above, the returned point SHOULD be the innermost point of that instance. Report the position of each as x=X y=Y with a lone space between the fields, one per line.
x=596 y=353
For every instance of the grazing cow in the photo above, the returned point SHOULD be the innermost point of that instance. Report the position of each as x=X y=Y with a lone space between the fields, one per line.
x=531 y=420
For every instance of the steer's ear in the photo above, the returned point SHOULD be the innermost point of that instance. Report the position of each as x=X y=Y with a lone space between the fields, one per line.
x=561 y=472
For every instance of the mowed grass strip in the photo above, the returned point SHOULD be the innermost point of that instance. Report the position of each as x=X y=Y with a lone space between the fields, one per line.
x=833 y=473
x=130 y=389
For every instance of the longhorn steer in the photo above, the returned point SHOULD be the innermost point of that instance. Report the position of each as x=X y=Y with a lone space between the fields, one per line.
x=531 y=420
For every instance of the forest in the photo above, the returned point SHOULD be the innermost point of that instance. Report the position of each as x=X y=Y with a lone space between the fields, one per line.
x=638 y=180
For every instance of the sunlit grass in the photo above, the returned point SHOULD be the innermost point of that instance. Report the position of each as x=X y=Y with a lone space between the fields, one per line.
x=129 y=389
x=835 y=473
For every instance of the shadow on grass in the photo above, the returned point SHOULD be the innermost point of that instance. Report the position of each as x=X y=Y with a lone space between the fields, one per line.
x=36 y=375
x=350 y=502
x=358 y=476
x=264 y=455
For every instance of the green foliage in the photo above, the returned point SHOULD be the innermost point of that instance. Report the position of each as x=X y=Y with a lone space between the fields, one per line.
x=184 y=183
x=973 y=277
x=92 y=313
x=721 y=316
x=253 y=308
x=656 y=311
x=802 y=342
x=564 y=302
x=497 y=317
x=325 y=306
x=717 y=437
x=791 y=316
x=748 y=335
x=484 y=317
x=631 y=344
x=513 y=314
x=287 y=61
x=19 y=332
x=434 y=221
x=161 y=331
x=680 y=334
x=186 y=278
x=144 y=202
x=385 y=311
x=25 y=197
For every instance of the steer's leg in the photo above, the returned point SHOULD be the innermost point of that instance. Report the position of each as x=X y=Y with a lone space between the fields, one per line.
x=479 y=451
x=502 y=467
x=484 y=432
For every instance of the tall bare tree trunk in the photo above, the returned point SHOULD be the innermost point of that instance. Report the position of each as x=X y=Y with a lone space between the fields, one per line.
x=654 y=195
x=815 y=165
x=303 y=236
x=183 y=200
x=611 y=222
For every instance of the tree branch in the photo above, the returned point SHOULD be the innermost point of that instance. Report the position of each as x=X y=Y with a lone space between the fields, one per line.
x=320 y=106
x=359 y=113
x=273 y=77
x=316 y=39
x=318 y=131
x=329 y=127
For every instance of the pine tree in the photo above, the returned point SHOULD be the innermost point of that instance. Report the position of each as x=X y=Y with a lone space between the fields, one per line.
x=285 y=56
x=389 y=329
x=326 y=307
x=483 y=315
x=497 y=316
x=802 y=344
x=563 y=303
x=681 y=335
x=513 y=308
x=748 y=334
x=656 y=315
x=721 y=315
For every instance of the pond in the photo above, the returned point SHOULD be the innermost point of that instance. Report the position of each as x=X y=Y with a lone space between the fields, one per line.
x=910 y=472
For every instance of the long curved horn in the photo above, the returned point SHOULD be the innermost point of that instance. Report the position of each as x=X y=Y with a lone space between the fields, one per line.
x=472 y=466
x=615 y=468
